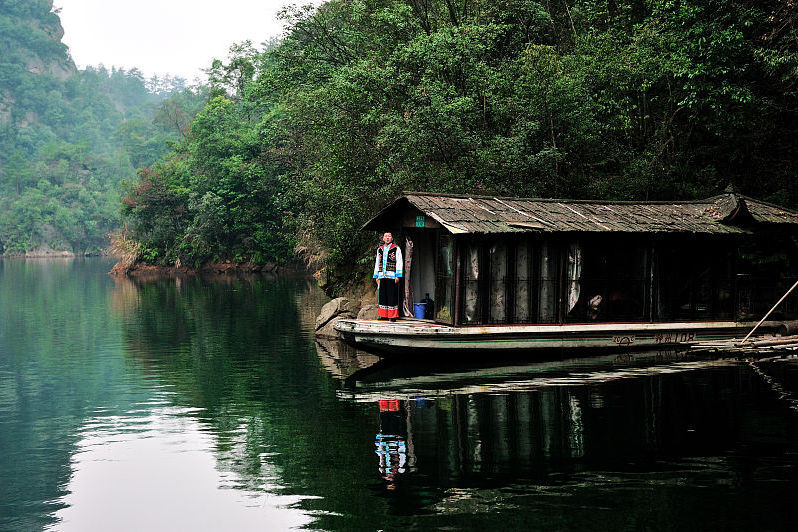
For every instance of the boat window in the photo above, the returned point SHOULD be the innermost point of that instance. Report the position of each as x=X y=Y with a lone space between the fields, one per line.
x=626 y=285
x=547 y=297
x=724 y=285
x=606 y=283
x=675 y=284
x=766 y=269
x=574 y=273
x=694 y=282
x=498 y=283
x=444 y=285
x=522 y=277
x=471 y=300
x=592 y=304
x=703 y=289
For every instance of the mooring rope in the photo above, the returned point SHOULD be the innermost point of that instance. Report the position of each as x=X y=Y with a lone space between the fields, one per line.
x=769 y=312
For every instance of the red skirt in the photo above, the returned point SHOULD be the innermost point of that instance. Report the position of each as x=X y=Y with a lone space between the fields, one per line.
x=388 y=299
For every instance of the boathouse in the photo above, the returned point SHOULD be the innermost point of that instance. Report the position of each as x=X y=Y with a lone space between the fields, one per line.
x=497 y=260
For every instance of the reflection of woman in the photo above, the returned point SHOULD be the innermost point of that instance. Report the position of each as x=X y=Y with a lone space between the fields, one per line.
x=387 y=271
x=391 y=447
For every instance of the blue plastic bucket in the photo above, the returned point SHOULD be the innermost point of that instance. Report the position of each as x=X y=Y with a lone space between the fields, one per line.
x=419 y=309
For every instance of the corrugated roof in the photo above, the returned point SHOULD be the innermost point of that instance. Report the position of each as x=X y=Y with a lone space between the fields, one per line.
x=725 y=214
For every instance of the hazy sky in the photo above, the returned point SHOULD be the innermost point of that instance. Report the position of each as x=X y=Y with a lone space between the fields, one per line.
x=178 y=37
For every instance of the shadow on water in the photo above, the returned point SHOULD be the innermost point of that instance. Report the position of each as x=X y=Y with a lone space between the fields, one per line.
x=446 y=372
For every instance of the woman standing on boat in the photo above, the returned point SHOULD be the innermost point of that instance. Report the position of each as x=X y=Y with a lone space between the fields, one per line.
x=387 y=271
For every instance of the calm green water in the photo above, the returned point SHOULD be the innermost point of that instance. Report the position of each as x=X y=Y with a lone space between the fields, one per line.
x=207 y=405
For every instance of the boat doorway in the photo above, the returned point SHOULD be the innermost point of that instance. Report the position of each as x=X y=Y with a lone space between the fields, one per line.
x=422 y=265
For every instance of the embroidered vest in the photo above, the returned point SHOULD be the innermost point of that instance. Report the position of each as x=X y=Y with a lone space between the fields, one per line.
x=391 y=265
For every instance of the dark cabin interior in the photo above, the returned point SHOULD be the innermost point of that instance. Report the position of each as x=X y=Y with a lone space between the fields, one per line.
x=490 y=281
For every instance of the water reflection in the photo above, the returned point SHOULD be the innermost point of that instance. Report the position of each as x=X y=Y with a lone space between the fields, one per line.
x=392 y=441
x=159 y=403
x=344 y=361
x=163 y=462
x=241 y=355
x=121 y=406
x=642 y=428
x=453 y=376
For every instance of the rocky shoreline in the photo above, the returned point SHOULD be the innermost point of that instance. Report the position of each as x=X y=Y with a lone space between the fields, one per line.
x=29 y=255
x=140 y=269
x=43 y=251
x=342 y=308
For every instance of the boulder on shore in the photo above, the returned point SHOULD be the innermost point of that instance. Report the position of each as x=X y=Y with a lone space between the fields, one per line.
x=368 y=312
x=328 y=329
x=338 y=307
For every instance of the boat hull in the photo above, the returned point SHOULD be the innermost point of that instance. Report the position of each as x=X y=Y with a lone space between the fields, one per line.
x=416 y=337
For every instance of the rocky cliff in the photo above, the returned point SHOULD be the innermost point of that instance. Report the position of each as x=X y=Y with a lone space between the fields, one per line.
x=30 y=41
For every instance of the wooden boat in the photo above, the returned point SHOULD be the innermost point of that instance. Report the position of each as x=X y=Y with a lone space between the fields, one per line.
x=419 y=337
x=514 y=274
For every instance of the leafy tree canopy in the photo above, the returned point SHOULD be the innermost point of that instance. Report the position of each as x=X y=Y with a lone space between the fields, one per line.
x=303 y=140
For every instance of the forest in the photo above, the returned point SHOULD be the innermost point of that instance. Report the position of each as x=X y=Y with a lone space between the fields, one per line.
x=293 y=144
x=303 y=140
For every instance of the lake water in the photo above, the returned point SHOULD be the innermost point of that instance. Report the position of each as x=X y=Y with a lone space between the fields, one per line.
x=207 y=405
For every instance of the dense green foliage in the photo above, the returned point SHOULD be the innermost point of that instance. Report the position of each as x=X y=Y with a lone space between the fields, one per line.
x=68 y=138
x=364 y=98
x=219 y=196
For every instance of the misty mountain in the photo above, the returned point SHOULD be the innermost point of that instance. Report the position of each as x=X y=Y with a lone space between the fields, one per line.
x=68 y=137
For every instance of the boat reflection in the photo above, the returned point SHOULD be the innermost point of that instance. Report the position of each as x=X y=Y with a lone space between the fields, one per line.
x=372 y=379
x=551 y=423
x=344 y=361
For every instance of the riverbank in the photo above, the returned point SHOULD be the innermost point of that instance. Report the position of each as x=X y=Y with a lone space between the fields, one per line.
x=140 y=269
x=57 y=255
x=43 y=251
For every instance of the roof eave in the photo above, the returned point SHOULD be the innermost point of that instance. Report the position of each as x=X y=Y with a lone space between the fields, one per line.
x=375 y=223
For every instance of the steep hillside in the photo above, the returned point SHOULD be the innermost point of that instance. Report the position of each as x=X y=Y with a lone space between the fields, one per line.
x=32 y=54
